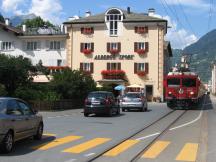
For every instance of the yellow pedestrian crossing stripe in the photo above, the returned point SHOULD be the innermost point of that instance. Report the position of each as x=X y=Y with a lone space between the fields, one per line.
x=188 y=153
x=87 y=145
x=49 y=134
x=121 y=148
x=156 y=149
x=56 y=142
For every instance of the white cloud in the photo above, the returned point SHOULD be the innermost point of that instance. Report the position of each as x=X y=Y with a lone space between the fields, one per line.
x=179 y=38
x=11 y=5
x=47 y=9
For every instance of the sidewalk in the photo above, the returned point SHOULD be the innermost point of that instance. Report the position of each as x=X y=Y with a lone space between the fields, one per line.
x=211 y=153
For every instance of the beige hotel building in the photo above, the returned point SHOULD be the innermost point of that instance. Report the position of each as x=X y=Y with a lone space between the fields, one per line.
x=120 y=47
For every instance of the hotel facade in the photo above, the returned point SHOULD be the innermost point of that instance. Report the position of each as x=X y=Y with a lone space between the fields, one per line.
x=120 y=47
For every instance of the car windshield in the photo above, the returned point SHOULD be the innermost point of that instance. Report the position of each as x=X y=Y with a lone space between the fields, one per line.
x=188 y=82
x=174 y=82
x=97 y=95
x=132 y=95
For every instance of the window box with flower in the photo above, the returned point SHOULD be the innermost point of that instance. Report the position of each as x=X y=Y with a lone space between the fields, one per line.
x=113 y=74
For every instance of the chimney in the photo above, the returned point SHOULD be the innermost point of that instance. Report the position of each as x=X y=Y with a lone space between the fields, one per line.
x=151 y=12
x=128 y=10
x=87 y=13
x=65 y=29
x=62 y=28
x=24 y=28
x=7 y=21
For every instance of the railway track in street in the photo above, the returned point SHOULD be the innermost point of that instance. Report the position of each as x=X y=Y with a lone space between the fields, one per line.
x=176 y=114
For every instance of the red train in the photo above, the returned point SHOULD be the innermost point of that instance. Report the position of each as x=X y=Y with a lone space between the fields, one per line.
x=183 y=89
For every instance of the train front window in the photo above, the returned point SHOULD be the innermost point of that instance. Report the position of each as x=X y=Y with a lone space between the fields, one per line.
x=188 y=82
x=174 y=82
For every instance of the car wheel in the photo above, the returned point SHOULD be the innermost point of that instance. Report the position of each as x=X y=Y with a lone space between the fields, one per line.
x=123 y=110
x=118 y=111
x=86 y=114
x=39 y=134
x=8 y=142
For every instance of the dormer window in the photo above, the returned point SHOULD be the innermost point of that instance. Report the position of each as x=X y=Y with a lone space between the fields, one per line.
x=113 y=17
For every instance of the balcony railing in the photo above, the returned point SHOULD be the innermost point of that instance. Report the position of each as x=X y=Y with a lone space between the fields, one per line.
x=113 y=74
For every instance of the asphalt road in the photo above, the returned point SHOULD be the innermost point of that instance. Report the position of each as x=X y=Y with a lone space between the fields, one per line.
x=69 y=136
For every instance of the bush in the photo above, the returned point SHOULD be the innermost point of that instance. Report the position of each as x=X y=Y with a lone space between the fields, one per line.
x=3 y=91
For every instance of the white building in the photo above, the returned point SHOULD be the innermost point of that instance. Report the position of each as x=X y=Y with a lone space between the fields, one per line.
x=213 y=81
x=45 y=44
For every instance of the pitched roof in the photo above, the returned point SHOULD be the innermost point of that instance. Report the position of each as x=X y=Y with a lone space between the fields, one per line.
x=128 y=17
x=11 y=28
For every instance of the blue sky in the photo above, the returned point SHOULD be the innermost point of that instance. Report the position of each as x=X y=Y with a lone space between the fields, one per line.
x=189 y=19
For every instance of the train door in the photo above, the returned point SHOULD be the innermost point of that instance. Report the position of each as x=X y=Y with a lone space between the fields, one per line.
x=149 y=92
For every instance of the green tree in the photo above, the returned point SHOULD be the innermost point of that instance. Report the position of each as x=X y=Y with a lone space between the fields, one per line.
x=41 y=69
x=72 y=84
x=15 y=72
x=36 y=23
x=2 y=19
x=3 y=91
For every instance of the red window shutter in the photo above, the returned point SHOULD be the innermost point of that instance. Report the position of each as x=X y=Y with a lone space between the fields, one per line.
x=135 y=68
x=108 y=66
x=92 y=67
x=92 y=47
x=135 y=29
x=135 y=46
x=82 y=30
x=119 y=46
x=146 y=46
x=81 y=66
x=92 y=30
x=147 y=68
x=119 y=66
x=146 y=29
x=108 y=47
x=81 y=47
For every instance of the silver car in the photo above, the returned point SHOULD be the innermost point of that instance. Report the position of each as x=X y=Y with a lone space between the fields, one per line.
x=133 y=100
x=17 y=121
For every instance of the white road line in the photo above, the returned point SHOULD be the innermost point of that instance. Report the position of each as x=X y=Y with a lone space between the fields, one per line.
x=87 y=155
x=71 y=160
x=189 y=123
x=148 y=136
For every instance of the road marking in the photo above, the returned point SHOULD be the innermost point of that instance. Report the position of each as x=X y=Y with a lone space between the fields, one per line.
x=90 y=154
x=87 y=145
x=120 y=148
x=71 y=160
x=188 y=153
x=189 y=123
x=156 y=149
x=151 y=135
x=56 y=142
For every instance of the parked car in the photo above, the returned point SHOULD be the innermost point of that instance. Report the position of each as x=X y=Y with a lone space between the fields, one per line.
x=101 y=102
x=134 y=100
x=17 y=121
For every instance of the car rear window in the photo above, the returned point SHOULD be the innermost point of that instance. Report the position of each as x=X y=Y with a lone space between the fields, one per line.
x=97 y=95
x=132 y=95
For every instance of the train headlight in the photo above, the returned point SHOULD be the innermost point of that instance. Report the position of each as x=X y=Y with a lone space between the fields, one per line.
x=169 y=92
x=192 y=93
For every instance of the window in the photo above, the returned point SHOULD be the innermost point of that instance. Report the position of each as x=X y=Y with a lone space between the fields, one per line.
x=55 y=45
x=87 y=67
x=114 y=47
x=141 y=47
x=87 y=46
x=6 y=46
x=113 y=16
x=174 y=82
x=59 y=62
x=188 y=82
x=141 y=67
x=31 y=46
x=113 y=66
x=13 y=108
x=25 y=108
x=141 y=30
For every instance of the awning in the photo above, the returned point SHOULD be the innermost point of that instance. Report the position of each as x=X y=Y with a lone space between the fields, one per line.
x=135 y=86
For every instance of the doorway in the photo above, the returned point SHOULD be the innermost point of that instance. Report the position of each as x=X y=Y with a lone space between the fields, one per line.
x=149 y=92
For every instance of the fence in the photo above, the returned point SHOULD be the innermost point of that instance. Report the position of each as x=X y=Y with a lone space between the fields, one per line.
x=57 y=105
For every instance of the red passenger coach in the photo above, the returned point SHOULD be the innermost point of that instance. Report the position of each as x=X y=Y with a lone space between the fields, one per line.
x=183 y=89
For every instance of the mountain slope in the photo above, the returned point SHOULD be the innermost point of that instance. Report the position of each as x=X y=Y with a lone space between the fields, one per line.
x=17 y=20
x=203 y=52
